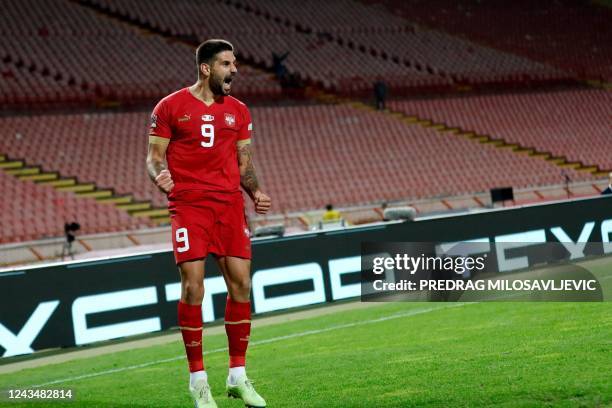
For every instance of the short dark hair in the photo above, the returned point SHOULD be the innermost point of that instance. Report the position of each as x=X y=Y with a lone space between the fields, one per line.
x=208 y=49
x=329 y=207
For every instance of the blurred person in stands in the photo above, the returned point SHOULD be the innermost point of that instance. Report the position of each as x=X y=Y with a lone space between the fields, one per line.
x=331 y=215
x=278 y=65
x=608 y=190
x=200 y=155
x=380 y=94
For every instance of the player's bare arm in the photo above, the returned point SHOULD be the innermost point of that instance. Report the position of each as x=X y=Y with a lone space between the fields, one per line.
x=248 y=179
x=156 y=164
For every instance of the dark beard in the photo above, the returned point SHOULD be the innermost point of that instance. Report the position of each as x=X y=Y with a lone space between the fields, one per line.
x=216 y=86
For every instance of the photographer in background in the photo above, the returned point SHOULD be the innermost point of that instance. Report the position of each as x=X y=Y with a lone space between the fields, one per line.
x=70 y=230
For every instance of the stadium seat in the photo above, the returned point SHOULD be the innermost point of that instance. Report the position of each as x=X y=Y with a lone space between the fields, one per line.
x=125 y=65
x=572 y=36
x=36 y=211
x=574 y=124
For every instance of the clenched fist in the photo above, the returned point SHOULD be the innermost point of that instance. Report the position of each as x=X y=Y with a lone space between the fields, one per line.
x=262 y=202
x=164 y=181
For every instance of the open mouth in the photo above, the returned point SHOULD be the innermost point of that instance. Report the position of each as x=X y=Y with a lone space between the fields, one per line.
x=228 y=80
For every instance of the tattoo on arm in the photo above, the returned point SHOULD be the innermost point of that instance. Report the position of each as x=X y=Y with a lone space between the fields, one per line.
x=156 y=160
x=154 y=167
x=248 y=178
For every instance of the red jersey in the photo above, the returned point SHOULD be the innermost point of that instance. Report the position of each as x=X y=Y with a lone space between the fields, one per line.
x=202 y=153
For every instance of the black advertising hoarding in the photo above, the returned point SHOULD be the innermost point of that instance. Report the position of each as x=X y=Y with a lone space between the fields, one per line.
x=84 y=302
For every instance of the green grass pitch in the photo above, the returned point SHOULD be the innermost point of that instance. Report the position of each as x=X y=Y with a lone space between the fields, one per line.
x=510 y=354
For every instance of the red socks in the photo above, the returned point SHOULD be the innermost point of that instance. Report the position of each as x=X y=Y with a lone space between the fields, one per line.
x=190 y=323
x=238 y=329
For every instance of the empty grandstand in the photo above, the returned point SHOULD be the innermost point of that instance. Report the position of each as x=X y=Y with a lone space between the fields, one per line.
x=475 y=102
x=574 y=36
x=574 y=124
x=32 y=211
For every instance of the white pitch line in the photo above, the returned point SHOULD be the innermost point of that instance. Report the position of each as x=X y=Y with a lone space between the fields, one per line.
x=253 y=343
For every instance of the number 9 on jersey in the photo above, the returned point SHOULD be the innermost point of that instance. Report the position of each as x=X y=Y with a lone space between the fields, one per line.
x=208 y=133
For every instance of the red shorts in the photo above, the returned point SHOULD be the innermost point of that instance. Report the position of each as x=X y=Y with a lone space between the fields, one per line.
x=206 y=222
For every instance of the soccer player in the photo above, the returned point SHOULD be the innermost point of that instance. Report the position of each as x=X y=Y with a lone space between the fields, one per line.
x=200 y=155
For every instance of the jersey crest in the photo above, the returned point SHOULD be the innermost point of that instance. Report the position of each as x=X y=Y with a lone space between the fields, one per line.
x=230 y=120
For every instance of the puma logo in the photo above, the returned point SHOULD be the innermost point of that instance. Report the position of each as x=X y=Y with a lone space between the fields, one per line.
x=184 y=118
x=194 y=344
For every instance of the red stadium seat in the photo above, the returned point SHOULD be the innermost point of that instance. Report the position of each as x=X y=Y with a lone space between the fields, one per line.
x=36 y=211
x=574 y=124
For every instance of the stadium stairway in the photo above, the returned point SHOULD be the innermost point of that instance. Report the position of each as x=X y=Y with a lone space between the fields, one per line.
x=535 y=30
x=261 y=84
x=439 y=65
x=20 y=169
x=595 y=83
x=335 y=38
x=498 y=142
x=501 y=143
